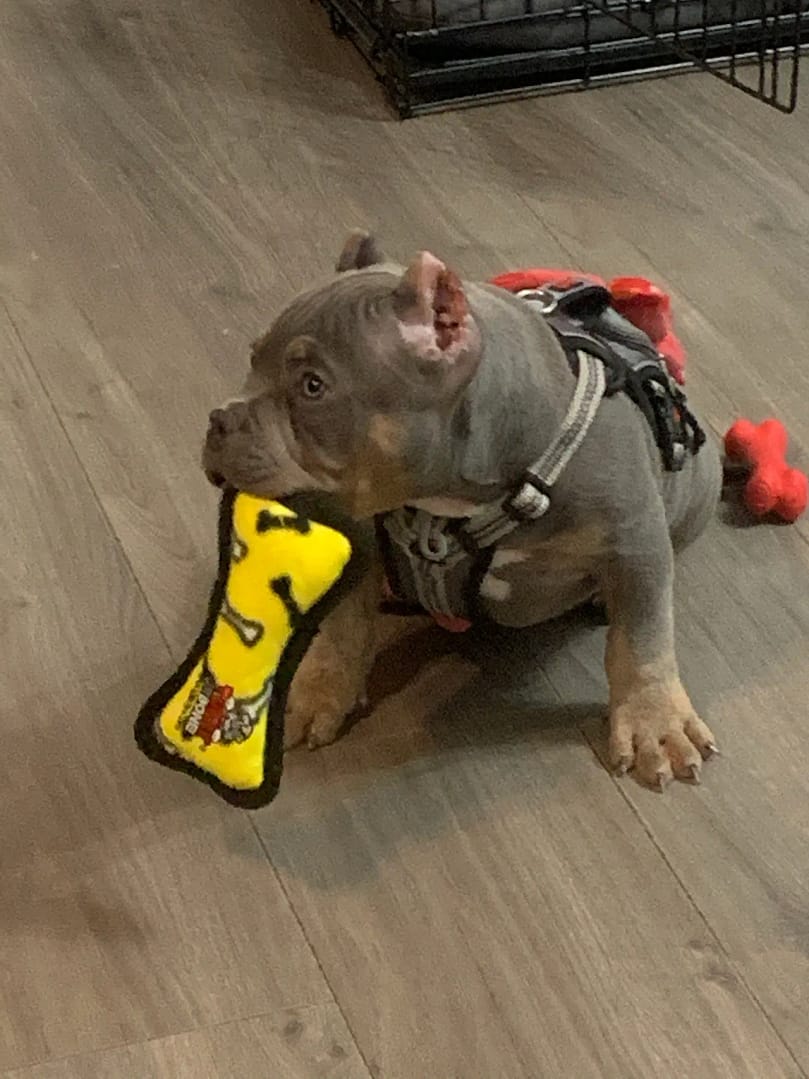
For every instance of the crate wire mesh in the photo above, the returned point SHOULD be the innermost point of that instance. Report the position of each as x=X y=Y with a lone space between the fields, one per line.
x=436 y=54
x=762 y=50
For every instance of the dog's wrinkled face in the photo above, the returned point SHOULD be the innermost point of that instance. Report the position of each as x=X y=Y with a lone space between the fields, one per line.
x=353 y=388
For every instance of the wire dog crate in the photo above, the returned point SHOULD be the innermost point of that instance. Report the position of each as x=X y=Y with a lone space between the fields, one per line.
x=437 y=54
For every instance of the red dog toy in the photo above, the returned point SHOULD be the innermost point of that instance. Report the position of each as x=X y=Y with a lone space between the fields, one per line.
x=773 y=487
x=638 y=300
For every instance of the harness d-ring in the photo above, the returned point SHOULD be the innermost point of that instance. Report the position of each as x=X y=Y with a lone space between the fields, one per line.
x=432 y=541
x=545 y=300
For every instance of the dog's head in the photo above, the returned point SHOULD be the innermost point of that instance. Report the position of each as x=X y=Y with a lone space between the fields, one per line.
x=353 y=390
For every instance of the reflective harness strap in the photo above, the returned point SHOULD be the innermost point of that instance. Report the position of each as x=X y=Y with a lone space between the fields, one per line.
x=532 y=498
x=434 y=559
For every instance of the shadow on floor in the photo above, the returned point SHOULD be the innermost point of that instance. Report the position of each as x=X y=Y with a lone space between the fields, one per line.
x=498 y=736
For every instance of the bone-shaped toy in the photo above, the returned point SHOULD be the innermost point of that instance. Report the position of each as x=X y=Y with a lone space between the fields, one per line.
x=282 y=567
x=772 y=487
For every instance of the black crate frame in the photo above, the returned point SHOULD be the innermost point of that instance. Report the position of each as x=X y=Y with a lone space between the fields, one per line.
x=757 y=54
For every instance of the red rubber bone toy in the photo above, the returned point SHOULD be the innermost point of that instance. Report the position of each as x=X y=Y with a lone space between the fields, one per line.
x=773 y=487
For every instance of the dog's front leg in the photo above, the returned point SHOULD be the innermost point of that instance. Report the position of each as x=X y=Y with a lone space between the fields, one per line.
x=332 y=679
x=653 y=726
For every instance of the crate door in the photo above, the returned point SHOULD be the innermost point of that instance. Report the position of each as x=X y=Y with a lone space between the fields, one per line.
x=754 y=45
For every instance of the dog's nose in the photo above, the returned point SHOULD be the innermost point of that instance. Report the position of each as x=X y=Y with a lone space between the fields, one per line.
x=223 y=421
x=217 y=422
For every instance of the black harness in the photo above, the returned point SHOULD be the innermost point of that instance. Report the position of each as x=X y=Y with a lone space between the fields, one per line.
x=438 y=564
x=584 y=319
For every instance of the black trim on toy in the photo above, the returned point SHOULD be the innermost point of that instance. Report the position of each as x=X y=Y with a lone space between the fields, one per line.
x=315 y=507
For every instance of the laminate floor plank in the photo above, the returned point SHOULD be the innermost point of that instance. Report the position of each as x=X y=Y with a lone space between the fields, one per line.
x=299 y=1043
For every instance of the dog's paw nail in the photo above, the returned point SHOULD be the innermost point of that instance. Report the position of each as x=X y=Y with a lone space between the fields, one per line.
x=662 y=780
x=711 y=750
x=692 y=774
x=622 y=767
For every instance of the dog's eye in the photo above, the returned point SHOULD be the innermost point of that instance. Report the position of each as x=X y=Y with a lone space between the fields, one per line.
x=312 y=386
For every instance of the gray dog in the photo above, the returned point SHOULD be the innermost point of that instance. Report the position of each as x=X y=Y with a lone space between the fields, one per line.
x=410 y=394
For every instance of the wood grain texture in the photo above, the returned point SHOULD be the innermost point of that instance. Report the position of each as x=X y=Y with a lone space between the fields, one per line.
x=300 y=1043
x=472 y=894
x=505 y=907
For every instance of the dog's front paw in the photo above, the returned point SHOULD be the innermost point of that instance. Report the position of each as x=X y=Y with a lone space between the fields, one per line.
x=656 y=732
x=315 y=729
x=321 y=698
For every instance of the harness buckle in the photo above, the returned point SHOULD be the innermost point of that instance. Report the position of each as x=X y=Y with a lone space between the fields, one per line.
x=531 y=501
x=678 y=456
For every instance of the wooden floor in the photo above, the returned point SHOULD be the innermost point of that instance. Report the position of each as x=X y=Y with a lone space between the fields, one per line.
x=458 y=890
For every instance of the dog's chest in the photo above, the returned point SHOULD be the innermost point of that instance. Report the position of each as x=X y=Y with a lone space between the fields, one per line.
x=532 y=584
x=521 y=581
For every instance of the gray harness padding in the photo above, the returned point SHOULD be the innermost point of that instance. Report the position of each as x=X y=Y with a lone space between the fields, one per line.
x=439 y=562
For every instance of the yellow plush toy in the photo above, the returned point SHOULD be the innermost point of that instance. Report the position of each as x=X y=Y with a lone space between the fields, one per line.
x=220 y=716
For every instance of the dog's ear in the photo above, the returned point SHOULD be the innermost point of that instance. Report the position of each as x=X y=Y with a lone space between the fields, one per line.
x=359 y=251
x=432 y=310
